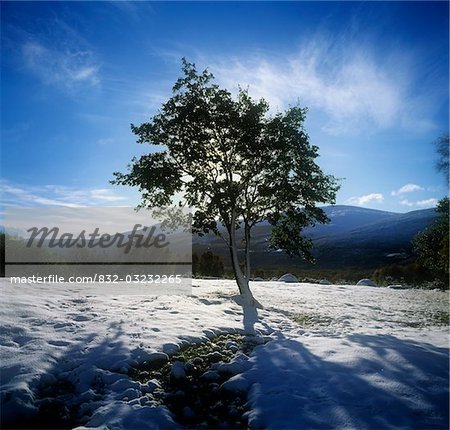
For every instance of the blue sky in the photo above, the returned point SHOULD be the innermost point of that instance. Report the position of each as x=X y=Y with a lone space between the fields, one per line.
x=374 y=76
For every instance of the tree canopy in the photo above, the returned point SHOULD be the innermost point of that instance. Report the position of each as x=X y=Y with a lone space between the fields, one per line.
x=432 y=245
x=234 y=163
x=443 y=150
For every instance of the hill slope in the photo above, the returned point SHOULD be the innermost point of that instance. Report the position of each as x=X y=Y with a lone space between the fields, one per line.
x=355 y=237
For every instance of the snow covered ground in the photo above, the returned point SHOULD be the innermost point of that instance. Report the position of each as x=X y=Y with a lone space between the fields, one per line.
x=337 y=356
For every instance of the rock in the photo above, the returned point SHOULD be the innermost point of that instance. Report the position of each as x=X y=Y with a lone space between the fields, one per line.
x=324 y=282
x=144 y=400
x=178 y=371
x=233 y=413
x=124 y=384
x=210 y=375
x=156 y=361
x=239 y=364
x=88 y=396
x=213 y=387
x=53 y=410
x=129 y=394
x=189 y=367
x=232 y=346
x=237 y=384
x=397 y=287
x=176 y=399
x=367 y=282
x=109 y=378
x=214 y=357
x=237 y=401
x=234 y=349
x=170 y=348
x=230 y=343
x=150 y=386
x=288 y=277
x=257 y=340
x=245 y=416
x=47 y=379
x=197 y=361
x=134 y=402
x=188 y=412
x=219 y=408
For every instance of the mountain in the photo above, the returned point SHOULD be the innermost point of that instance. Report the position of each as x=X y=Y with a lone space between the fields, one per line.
x=354 y=237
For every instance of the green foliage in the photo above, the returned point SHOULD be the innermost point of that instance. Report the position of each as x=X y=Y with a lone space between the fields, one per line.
x=432 y=245
x=311 y=319
x=208 y=264
x=410 y=273
x=443 y=150
x=232 y=162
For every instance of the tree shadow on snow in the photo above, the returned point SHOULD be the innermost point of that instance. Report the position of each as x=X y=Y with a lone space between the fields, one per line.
x=376 y=382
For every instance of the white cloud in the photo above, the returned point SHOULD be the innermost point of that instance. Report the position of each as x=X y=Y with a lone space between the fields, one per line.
x=366 y=199
x=56 y=195
x=406 y=202
x=344 y=82
x=427 y=203
x=408 y=188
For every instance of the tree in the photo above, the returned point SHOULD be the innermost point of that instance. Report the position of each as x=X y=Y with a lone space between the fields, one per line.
x=443 y=150
x=235 y=164
x=208 y=264
x=432 y=245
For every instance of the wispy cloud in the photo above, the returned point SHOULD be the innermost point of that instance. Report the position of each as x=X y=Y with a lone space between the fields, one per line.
x=57 y=54
x=408 y=188
x=66 y=68
x=105 y=194
x=355 y=90
x=56 y=195
x=366 y=199
x=135 y=10
x=105 y=141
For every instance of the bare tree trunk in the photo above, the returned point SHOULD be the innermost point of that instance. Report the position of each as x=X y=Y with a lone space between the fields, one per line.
x=247 y=252
x=241 y=280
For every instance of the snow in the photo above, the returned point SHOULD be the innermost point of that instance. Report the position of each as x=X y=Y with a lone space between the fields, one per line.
x=330 y=356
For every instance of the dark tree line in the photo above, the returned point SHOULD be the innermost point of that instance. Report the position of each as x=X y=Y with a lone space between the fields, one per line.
x=207 y=264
